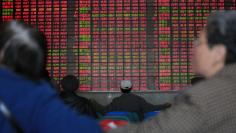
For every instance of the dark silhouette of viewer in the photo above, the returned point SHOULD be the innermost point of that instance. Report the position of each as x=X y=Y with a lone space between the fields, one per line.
x=80 y=104
x=132 y=103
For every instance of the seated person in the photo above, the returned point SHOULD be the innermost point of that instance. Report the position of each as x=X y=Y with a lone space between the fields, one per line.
x=33 y=104
x=132 y=103
x=80 y=104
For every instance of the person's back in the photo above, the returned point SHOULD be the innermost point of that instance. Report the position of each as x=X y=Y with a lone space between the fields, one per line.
x=80 y=104
x=31 y=101
x=129 y=102
x=71 y=98
x=126 y=102
x=132 y=103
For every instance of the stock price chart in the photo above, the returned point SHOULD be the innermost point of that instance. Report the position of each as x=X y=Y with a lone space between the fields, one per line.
x=104 y=41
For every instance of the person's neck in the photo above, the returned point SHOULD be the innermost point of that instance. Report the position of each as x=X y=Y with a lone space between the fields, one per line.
x=69 y=92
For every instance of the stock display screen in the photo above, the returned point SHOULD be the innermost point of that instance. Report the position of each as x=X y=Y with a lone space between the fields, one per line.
x=104 y=41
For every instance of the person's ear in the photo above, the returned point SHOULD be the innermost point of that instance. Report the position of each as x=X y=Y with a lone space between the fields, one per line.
x=219 y=52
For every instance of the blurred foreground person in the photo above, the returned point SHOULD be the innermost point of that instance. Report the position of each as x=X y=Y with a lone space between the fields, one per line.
x=29 y=104
x=210 y=105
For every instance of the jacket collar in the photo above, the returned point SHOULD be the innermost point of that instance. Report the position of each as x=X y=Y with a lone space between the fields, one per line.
x=228 y=70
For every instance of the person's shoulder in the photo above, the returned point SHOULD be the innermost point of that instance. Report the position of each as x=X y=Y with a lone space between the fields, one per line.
x=135 y=95
x=44 y=86
x=214 y=84
x=118 y=98
x=41 y=90
x=207 y=90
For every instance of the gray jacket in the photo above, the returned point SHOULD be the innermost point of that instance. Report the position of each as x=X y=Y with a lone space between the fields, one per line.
x=207 y=107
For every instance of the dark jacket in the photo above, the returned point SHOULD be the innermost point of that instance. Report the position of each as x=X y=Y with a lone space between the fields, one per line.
x=79 y=104
x=132 y=103
x=38 y=109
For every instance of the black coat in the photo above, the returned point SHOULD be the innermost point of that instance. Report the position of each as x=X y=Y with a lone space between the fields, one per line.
x=132 y=103
x=79 y=104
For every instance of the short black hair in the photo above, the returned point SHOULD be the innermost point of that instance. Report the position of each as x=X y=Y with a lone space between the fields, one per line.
x=221 y=29
x=22 y=49
x=196 y=80
x=69 y=83
x=126 y=90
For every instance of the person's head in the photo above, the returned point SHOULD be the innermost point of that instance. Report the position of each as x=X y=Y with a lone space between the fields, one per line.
x=195 y=80
x=216 y=46
x=69 y=83
x=22 y=49
x=125 y=86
